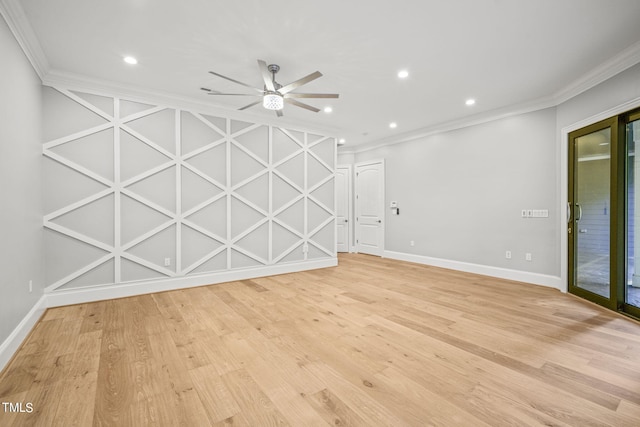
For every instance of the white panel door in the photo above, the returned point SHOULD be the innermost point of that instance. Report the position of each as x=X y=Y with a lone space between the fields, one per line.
x=370 y=207
x=343 y=211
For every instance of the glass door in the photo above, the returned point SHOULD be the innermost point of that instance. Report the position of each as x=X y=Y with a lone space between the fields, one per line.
x=592 y=213
x=631 y=289
x=604 y=213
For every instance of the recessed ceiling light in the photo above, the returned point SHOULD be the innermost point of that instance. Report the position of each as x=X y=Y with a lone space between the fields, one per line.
x=403 y=74
x=342 y=141
x=470 y=102
x=393 y=125
x=328 y=109
x=130 y=60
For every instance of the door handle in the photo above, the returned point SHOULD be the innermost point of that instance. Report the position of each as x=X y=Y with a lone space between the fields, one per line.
x=379 y=221
x=346 y=220
x=579 y=217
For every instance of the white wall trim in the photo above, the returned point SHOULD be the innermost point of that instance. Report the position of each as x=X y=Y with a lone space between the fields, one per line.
x=448 y=126
x=98 y=293
x=57 y=78
x=14 y=15
x=18 y=335
x=617 y=64
x=502 y=273
x=63 y=297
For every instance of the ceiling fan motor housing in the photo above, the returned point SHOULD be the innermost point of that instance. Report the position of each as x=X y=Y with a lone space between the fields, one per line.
x=273 y=68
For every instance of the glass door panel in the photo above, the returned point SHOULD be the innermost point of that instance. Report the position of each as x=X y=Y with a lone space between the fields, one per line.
x=592 y=211
x=604 y=213
x=632 y=282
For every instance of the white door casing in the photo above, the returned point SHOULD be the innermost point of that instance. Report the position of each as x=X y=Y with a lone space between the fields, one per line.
x=343 y=208
x=370 y=207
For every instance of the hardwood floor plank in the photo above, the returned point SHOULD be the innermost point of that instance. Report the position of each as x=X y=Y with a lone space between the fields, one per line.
x=333 y=410
x=9 y=418
x=371 y=342
x=70 y=412
x=216 y=397
x=255 y=405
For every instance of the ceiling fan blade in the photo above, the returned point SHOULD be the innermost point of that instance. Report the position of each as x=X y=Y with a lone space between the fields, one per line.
x=279 y=113
x=236 y=94
x=300 y=104
x=236 y=81
x=251 y=105
x=311 y=95
x=291 y=86
x=266 y=76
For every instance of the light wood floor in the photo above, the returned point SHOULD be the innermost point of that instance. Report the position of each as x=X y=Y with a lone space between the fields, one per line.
x=373 y=342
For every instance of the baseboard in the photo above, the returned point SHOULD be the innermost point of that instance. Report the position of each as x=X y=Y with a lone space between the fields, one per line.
x=104 y=292
x=98 y=293
x=502 y=273
x=15 y=339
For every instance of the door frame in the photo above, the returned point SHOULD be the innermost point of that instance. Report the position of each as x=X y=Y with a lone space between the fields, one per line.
x=382 y=184
x=350 y=216
x=563 y=155
x=617 y=213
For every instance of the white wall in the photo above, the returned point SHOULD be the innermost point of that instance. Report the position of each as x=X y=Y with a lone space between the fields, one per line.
x=461 y=194
x=21 y=240
x=138 y=194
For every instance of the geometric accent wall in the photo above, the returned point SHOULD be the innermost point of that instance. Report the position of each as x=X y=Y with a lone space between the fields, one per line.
x=144 y=192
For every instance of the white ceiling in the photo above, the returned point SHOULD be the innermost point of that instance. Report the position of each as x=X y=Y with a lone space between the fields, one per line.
x=507 y=54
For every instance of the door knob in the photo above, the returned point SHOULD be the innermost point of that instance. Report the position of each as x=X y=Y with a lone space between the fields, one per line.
x=379 y=221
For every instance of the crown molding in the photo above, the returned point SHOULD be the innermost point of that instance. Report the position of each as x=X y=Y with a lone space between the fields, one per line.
x=615 y=65
x=148 y=96
x=603 y=72
x=476 y=119
x=19 y=25
x=14 y=15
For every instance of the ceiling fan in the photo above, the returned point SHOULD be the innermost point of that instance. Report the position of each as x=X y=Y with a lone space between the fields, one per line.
x=274 y=95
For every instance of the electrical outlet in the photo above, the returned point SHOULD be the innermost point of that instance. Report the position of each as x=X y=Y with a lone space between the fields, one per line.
x=507 y=255
x=412 y=243
x=527 y=256
x=167 y=262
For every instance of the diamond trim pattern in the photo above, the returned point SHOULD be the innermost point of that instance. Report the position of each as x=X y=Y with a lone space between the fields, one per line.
x=170 y=205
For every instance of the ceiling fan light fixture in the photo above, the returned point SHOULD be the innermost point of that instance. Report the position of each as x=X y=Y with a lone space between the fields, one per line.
x=273 y=101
